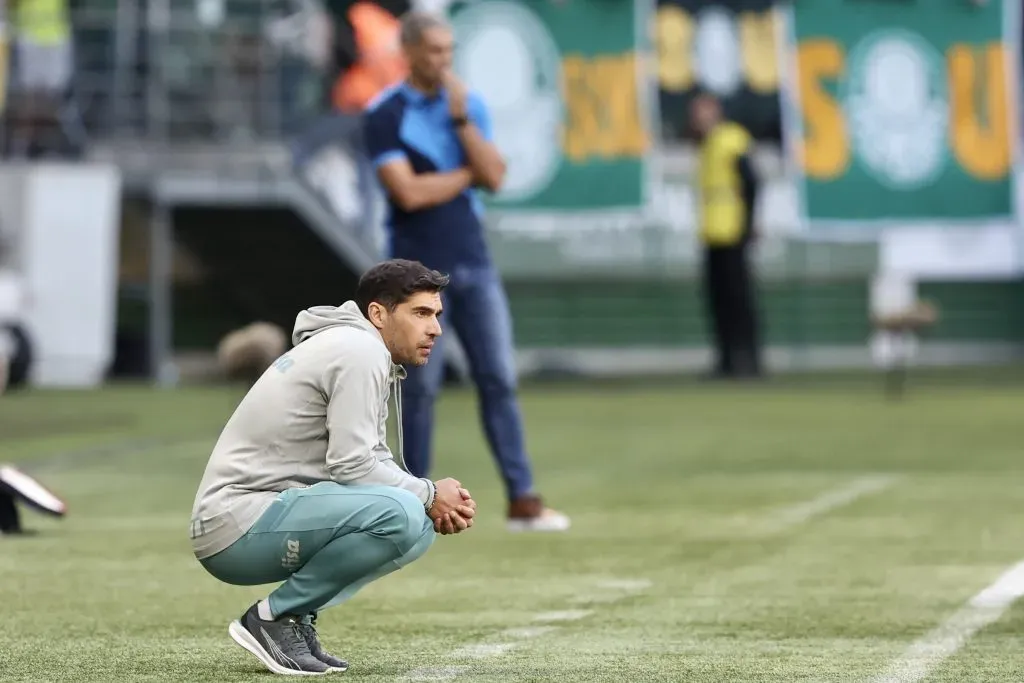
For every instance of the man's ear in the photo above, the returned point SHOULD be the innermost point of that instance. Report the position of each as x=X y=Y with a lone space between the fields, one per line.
x=376 y=314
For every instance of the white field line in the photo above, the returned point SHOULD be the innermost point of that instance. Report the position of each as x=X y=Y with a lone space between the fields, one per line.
x=613 y=590
x=482 y=650
x=567 y=615
x=789 y=517
x=616 y=589
x=623 y=588
x=983 y=609
x=828 y=501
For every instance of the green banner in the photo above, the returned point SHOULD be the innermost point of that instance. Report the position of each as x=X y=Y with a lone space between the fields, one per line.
x=562 y=81
x=904 y=110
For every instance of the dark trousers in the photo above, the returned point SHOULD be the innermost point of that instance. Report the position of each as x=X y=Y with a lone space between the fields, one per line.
x=728 y=291
x=20 y=361
x=476 y=309
x=10 y=522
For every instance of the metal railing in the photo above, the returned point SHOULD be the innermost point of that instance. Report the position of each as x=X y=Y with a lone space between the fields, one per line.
x=214 y=84
x=188 y=71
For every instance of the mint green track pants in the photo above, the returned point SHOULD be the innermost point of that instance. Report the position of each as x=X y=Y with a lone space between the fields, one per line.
x=326 y=542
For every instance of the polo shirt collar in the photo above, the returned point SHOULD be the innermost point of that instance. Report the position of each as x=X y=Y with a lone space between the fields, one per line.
x=420 y=99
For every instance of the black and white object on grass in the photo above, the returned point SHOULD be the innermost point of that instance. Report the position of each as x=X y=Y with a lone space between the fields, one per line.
x=17 y=487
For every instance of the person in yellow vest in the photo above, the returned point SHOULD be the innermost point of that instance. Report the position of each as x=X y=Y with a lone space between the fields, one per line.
x=43 y=68
x=728 y=191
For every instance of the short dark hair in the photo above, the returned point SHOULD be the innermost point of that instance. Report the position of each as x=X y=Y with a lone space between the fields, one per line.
x=392 y=282
x=415 y=23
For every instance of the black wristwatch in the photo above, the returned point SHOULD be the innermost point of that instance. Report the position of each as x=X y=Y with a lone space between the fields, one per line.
x=460 y=121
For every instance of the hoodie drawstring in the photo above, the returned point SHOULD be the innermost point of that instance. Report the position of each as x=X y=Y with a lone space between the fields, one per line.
x=396 y=386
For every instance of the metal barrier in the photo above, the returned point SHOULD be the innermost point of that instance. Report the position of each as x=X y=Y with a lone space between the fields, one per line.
x=184 y=72
x=209 y=84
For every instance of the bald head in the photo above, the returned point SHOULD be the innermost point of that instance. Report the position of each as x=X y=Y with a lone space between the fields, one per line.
x=427 y=42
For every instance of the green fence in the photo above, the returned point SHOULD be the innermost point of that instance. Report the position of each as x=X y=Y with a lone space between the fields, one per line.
x=797 y=313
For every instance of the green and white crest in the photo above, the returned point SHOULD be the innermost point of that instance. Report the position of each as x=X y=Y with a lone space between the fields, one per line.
x=896 y=105
x=506 y=54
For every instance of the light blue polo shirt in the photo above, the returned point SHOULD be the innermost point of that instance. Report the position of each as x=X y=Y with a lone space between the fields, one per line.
x=404 y=123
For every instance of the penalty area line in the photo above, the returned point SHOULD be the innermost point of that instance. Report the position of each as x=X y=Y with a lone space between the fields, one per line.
x=942 y=642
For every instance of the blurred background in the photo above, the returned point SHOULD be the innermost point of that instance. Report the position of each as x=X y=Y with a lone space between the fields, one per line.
x=174 y=170
x=180 y=177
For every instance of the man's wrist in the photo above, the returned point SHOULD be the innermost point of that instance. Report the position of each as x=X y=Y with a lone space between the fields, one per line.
x=431 y=495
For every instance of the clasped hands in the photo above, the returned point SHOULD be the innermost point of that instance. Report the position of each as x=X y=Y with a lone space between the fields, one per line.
x=453 y=508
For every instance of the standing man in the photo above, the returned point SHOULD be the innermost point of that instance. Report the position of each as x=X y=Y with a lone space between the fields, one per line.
x=430 y=144
x=302 y=487
x=45 y=65
x=728 y=192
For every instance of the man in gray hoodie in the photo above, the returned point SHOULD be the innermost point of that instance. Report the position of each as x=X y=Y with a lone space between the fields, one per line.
x=302 y=486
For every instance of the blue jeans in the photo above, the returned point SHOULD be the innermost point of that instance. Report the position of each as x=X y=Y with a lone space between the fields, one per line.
x=476 y=306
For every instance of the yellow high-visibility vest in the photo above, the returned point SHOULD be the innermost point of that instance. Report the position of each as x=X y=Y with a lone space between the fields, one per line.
x=722 y=209
x=43 y=22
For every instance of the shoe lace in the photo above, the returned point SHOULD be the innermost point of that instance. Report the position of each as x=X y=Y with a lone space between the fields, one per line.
x=309 y=636
x=296 y=639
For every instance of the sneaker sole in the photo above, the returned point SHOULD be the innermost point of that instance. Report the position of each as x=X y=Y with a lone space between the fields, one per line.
x=538 y=525
x=251 y=645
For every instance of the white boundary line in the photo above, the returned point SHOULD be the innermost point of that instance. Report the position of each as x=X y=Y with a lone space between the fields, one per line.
x=612 y=590
x=983 y=609
x=510 y=638
x=828 y=501
x=626 y=586
x=567 y=615
x=482 y=650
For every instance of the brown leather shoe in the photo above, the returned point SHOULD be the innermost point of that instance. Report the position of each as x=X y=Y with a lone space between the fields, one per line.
x=528 y=513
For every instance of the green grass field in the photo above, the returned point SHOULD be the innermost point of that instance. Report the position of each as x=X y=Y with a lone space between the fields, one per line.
x=803 y=531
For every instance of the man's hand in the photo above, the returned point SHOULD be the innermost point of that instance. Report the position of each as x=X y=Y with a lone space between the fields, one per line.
x=463 y=514
x=485 y=161
x=458 y=96
x=453 y=508
x=416 y=191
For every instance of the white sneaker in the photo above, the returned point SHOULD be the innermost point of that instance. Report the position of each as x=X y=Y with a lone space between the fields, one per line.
x=528 y=513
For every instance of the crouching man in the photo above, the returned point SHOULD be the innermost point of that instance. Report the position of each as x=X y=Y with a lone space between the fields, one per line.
x=302 y=487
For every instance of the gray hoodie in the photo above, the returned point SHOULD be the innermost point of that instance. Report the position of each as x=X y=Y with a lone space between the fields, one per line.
x=317 y=414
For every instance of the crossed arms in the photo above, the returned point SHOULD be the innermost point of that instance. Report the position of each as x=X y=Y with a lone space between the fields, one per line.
x=413 y=192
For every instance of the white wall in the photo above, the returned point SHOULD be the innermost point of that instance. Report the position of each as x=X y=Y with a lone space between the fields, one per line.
x=64 y=222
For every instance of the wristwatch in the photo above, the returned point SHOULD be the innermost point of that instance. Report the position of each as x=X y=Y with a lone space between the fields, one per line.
x=460 y=121
x=433 y=498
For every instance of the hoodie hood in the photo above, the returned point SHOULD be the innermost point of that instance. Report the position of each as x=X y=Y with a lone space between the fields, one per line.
x=319 y=318
x=315 y=320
